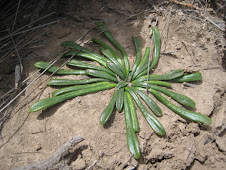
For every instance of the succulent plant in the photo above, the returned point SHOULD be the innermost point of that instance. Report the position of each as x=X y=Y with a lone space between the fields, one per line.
x=129 y=84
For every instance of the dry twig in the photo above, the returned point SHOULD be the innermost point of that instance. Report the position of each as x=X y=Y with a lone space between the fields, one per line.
x=186 y=4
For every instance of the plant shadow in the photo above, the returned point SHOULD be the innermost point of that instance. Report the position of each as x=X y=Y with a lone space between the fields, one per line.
x=49 y=111
x=111 y=119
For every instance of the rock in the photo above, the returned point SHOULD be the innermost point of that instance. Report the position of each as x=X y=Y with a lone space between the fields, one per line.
x=221 y=143
x=192 y=128
x=220 y=118
x=199 y=166
x=79 y=163
x=220 y=126
x=211 y=160
x=158 y=156
x=38 y=147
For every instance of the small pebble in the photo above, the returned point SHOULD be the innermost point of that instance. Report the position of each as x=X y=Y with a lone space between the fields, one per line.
x=38 y=147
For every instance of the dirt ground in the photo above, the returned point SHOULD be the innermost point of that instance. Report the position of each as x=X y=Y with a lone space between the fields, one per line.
x=189 y=42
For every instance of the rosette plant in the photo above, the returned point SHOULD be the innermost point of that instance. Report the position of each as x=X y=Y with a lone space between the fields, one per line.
x=129 y=83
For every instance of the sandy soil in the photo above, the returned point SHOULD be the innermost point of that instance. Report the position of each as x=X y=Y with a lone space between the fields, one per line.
x=196 y=44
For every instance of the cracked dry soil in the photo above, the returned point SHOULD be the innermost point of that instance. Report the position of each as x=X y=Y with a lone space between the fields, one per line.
x=196 y=46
